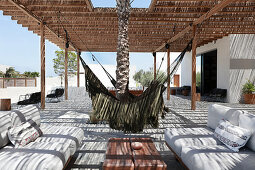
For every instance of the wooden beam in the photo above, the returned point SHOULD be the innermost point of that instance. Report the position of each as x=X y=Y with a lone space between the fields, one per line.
x=152 y=5
x=168 y=73
x=193 y=84
x=66 y=73
x=42 y=26
x=34 y=17
x=155 y=65
x=204 y=17
x=78 y=68
x=89 y=5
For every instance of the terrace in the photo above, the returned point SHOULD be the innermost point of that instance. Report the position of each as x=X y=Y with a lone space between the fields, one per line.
x=86 y=28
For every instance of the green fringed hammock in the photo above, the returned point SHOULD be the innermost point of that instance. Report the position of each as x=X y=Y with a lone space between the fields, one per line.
x=138 y=111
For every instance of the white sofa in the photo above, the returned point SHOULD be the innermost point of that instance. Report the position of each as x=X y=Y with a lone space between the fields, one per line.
x=51 y=151
x=197 y=148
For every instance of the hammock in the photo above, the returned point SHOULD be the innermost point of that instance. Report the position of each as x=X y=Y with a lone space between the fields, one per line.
x=138 y=111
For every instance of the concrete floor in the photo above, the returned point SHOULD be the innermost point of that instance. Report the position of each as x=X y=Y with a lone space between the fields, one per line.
x=92 y=151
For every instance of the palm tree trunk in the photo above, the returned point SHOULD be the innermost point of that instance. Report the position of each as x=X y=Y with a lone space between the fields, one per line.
x=122 y=71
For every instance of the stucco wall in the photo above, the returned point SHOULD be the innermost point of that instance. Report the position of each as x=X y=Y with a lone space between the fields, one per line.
x=223 y=62
x=242 y=50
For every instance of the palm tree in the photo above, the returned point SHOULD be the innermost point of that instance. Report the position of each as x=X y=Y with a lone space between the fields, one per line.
x=11 y=73
x=122 y=71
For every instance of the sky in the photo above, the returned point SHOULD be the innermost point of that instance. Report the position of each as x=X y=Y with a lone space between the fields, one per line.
x=20 y=48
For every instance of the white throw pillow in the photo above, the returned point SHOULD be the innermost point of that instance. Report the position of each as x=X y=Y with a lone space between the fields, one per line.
x=23 y=114
x=247 y=121
x=25 y=133
x=218 y=112
x=234 y=137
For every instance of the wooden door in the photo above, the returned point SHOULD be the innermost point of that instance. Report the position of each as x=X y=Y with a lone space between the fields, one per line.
x=176 y=80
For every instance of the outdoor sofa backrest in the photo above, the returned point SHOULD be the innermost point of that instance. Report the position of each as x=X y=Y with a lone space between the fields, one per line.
x=6 y=121
x=236 y=117
x=59 y=92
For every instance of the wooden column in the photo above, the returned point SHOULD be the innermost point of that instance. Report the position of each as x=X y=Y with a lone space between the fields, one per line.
x=66 y=74
x=168 y=73
x=78 y=68
x=155 y=66
x=42 y=66
x=193 y=88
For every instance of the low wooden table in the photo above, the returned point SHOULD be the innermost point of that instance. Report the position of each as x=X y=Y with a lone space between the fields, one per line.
x=5 y=104
x=120 y=155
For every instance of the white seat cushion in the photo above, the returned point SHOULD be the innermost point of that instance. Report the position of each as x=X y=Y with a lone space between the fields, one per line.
x=65 y=134
x=39 y=156
x=217 y=157
x=177 y=138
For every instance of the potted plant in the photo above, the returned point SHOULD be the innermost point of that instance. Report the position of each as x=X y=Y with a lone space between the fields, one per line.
x=248 y=90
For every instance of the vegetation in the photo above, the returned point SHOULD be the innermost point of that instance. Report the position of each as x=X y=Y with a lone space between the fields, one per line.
x=12 y=73
x=198 y=79
x=248 y=87
x=59 y=63
x=31 y=74
x=146 y=77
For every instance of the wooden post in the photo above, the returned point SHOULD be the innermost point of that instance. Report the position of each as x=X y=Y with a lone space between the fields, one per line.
x=66 y=74
x=155 y=66
x=193 y=88
x=42 y=66
x=25 y=82
x=78 y=68
x=168 y=72
x=3 y=82
x=35 y=82
x=15 y=82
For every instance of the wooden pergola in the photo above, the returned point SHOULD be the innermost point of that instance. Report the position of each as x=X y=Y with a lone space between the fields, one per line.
x=173 y=22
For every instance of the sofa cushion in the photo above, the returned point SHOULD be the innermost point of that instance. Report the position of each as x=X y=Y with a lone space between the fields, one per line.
x=234 y=137
x=177 y=138
x=25 y=133
x=217 y=157
x=39 y=156
x=218 y=112
x=5 y=123
x=25 y=113
x=65 y=134
x=247 y=121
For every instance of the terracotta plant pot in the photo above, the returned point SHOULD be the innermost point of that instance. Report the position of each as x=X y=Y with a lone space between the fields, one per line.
x=249 y=98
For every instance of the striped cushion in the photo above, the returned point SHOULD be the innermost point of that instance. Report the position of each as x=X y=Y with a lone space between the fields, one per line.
x=23 y=114
x=24 y=134
x=234 y=137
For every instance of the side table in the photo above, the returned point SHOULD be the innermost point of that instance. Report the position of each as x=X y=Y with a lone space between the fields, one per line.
x=5 y=104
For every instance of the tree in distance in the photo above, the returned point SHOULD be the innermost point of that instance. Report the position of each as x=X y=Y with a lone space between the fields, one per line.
x=146 y=77
x=59 y=64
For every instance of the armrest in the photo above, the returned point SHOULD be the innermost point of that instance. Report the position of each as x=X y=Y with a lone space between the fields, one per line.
x=24 y=97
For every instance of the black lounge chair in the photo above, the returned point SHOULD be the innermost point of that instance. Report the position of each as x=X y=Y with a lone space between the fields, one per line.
x=56 y=94
x=33 y=98
x=216 y=95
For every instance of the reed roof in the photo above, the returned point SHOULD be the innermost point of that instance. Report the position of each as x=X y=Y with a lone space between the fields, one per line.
x=96 y=29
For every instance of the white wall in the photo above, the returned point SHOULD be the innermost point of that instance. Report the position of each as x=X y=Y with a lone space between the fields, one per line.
x=173 y=56
x=242 y=47
x=223 y=62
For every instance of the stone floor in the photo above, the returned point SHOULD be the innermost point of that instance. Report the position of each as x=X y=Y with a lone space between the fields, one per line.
x=92 y=151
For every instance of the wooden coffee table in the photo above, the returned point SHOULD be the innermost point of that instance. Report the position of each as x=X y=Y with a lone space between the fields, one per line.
x=120 y=155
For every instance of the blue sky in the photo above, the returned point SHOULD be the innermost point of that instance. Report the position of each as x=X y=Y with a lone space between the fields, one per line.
x=20 y=48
